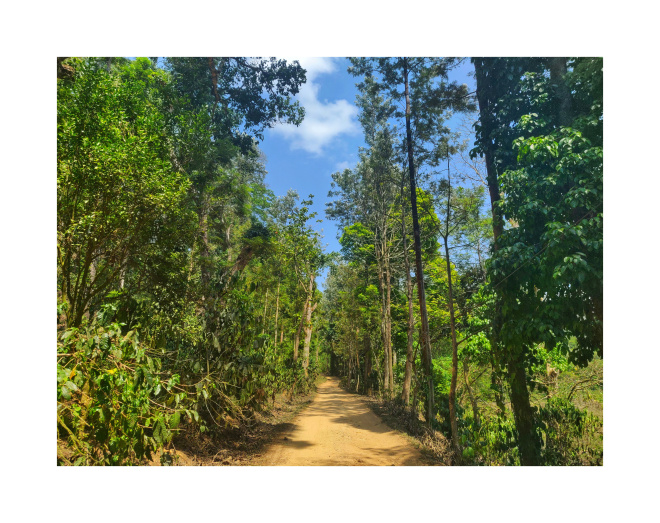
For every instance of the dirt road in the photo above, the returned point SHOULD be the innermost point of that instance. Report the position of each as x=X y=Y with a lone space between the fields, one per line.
x=338 y=428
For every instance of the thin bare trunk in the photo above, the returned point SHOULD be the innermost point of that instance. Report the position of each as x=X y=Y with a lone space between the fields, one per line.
x=407 y=380
x=452 y=323
x=388 y=323
x=296 y=339
x=419 y=271
x=383 y=322
x=308 y=324
x=277 y=311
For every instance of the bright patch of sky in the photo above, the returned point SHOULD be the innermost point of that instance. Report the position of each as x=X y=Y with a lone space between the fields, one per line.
x=325 y=119
x=303 y=158
x=328 y=140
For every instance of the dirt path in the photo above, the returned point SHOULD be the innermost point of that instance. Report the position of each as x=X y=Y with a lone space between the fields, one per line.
x=338 y=428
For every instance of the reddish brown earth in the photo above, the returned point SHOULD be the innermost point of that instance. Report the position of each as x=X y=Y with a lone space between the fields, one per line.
x=338 y=428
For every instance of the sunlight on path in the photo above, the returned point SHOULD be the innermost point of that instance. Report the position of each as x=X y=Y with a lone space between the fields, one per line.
x=338 y=428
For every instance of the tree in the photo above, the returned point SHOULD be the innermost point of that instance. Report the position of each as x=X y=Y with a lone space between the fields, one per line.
x=421 y=84
x=365 y=205
x=117 y=192
x=461 y=210
x=548 y=166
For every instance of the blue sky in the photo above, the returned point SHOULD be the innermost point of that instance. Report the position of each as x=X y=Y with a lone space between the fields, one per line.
x=327 y=141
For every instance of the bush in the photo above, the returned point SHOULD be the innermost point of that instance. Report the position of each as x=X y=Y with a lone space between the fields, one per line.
x=110 y=398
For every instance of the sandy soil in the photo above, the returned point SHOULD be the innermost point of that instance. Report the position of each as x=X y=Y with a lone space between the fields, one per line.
x=338 y=428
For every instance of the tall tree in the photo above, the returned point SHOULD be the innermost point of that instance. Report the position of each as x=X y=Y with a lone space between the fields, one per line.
x=422 y=84
x=547 y=267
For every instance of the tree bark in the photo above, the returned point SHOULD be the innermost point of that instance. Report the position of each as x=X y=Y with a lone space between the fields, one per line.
x=407 y=380
x=383 y=322
x=296 y=339
x=452 y=323
x=308 y=322
x=454 y=355
x=277 y=311
x=419 y=271
x=528 y=443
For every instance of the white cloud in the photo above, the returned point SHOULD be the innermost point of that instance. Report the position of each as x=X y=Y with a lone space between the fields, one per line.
x=324 y=120
x=342 y=166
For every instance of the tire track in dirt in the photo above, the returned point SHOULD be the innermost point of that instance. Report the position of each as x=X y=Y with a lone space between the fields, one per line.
x=338 y=428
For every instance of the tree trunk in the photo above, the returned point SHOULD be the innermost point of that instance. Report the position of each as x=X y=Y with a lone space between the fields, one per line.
x=308 y=323
x=383 y=323
x=277 y=311
x=296 y=339
x=407 y=380
x=454 y=360
x=367 y=364
x=419 y=271
x=388 y=323
x=452 y=324
x=528 y=443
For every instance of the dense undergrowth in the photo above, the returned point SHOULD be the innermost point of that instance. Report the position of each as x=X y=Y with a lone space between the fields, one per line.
x=121 y=400
x=569 y=418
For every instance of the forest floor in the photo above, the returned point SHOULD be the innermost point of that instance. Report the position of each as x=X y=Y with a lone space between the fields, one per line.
x=339 y=428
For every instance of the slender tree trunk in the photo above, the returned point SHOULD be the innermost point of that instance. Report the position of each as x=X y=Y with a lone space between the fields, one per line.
x=419 y=271
x=454 y=357
x=367 y=364
x=296 y=339
x=407 y=380
x=388 y=323
x=308 y=335
x=452 y=323
x=277 y=311
x=383 y=322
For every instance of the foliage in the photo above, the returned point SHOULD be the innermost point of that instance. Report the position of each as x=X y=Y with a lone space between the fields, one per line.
x=111 y=396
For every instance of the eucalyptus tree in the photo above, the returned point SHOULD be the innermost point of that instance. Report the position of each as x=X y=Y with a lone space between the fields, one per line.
x=363 y=205
x=422 y=85
x=302 y=250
